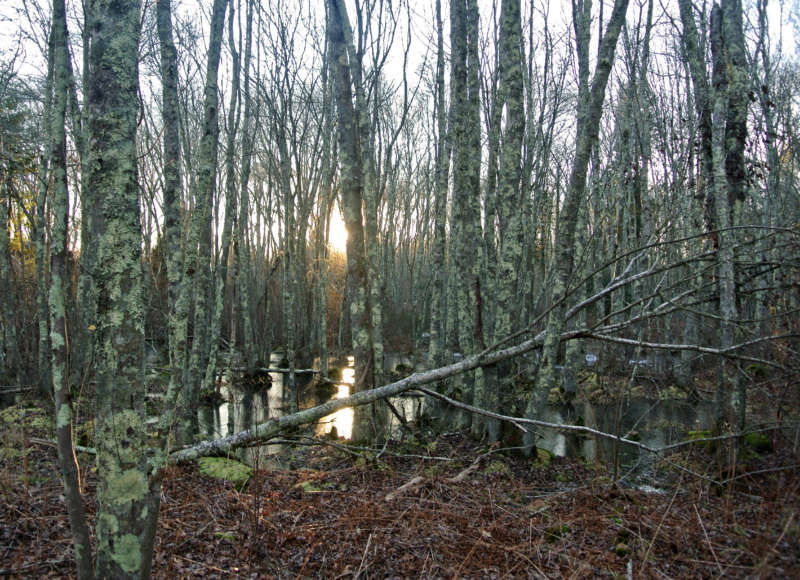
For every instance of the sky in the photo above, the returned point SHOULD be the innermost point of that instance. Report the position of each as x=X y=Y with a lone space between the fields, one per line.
x=15 y=25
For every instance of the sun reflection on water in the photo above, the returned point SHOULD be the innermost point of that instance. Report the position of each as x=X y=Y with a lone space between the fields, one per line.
x=342 y=420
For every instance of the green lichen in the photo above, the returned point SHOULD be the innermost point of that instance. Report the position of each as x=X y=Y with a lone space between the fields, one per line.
x=555 y=533
x=64 y=417
x=128 y=486
x=622 y=549
x=128 y=553
x=497 y=467
x=124 y=428
x=543 y=457
x=673 y=392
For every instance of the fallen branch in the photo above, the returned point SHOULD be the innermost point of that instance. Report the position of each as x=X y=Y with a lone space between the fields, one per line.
x=411 y=484
x=274 y=370
x=520 y=422
x=269 y=429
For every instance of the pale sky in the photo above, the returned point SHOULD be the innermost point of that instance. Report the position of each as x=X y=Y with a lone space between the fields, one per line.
x=784 y=18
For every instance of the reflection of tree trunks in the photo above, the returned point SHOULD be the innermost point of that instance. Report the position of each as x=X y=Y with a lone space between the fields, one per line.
x=590 y=112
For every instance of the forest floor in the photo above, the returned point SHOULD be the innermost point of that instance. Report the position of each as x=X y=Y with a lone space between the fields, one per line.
x=447 y=507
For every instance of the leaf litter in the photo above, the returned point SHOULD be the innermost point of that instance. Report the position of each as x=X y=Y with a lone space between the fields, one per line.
x=445 y=508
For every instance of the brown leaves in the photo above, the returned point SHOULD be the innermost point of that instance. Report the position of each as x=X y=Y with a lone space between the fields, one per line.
x=333 y=521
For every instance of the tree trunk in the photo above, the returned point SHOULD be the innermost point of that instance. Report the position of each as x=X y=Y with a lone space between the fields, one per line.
x=198 y=243
x=178 y=292
x=59 y=290
x=438 y=332
x=124 y=493
x=590 y=112
x=231 y=194
x=729 y=134
x=511 y=96
x=351 y=180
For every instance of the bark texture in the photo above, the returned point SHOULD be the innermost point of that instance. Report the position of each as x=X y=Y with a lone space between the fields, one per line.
x=123 y=490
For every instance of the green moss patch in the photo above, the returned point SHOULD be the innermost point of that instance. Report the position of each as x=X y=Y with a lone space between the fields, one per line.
x=758 y=442
x=227 y=469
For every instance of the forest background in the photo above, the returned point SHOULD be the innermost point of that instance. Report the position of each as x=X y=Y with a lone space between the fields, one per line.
x=608 y=179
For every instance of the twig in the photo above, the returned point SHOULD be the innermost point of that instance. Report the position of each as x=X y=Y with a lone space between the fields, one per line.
x=710 y=546
x=363 y=558
x=49 y=443
x=36 y=566
x=645 y=560
x=764 y=561
x=412 y=483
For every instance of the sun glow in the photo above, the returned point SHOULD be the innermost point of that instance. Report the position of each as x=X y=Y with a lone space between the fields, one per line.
x=337 y=232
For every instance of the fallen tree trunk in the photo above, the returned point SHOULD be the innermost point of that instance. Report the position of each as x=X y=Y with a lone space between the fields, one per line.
x=267 y=430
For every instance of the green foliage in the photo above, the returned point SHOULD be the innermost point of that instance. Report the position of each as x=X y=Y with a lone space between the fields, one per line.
x=699 y=434
x=756 y=371
x=335 y=374
x=673 y=392
x=325 y=389
x=312 y=486
x=622 y=549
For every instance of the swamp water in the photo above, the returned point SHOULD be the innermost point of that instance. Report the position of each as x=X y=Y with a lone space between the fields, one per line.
x=655 y=423
x=244 y=407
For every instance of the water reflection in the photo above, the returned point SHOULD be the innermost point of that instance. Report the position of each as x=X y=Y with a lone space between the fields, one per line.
x=340 y=423
x=656 y=424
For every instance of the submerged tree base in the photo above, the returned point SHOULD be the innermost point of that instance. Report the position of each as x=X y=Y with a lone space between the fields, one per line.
x=447 y=507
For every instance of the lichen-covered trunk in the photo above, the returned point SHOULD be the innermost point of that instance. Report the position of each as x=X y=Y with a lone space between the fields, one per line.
x=59 y=284
x=198 y=242
x=589 y=114
x=729 y=134
x=220 y=277
x=467 y=232
x=178 y=292
x=438 y=329
x=511 y=97
x=9 y=345
x=288 y=278
x=124 y=491
x=241 y=234
x=702 y=100
x=351 y=179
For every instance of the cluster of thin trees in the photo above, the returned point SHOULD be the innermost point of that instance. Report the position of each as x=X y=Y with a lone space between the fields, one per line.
x=619 y=177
